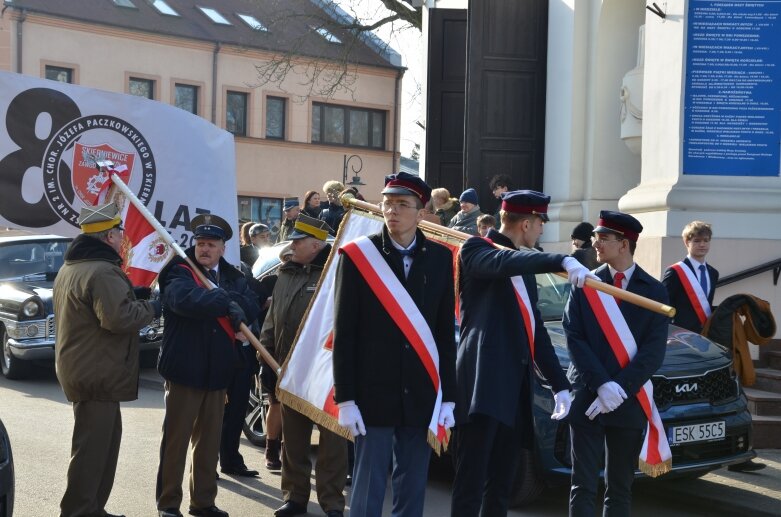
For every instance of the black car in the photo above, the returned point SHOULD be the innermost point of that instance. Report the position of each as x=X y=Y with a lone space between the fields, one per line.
x=28 y=266
x=697 y=392
x=6 y=474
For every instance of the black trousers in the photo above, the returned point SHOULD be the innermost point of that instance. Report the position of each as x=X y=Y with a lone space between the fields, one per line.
x=620 y=448
x=487 y=454
x=236 y=409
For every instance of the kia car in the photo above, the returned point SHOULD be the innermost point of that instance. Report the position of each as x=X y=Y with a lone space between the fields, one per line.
x=697 y=392
x=28 y=266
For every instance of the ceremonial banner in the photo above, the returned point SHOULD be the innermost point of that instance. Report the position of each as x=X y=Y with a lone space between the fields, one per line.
x=307 y=383
x=52 y=134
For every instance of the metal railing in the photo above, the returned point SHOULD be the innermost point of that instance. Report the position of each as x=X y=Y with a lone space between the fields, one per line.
x=774 y=265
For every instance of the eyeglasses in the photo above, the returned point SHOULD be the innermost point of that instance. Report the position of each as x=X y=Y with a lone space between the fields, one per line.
x=597 y=240
x=396 y=207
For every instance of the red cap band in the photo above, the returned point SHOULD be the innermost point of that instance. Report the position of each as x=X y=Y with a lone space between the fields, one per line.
x=409 y=186
x=524 y=209
x=626 y=232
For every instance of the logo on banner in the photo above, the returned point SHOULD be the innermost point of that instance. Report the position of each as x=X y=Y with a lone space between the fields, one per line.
x=87 y=179
x=66 y=156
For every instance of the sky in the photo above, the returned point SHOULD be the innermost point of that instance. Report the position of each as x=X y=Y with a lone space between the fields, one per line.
x=408 y=42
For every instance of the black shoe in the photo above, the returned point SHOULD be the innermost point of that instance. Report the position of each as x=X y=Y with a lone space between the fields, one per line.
x=334 y=513
x=290 y=508
x=211 y=511
x=241 y=470
x=746 y=466
x=170 y=512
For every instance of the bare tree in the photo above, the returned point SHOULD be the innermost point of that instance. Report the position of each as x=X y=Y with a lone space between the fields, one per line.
x=320 y=43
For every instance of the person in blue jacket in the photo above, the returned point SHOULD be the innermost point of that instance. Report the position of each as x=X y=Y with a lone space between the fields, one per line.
x=197 y=360
x=494 y=363
x=606 y=419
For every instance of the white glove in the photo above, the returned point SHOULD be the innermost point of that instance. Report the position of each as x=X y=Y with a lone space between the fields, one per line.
x=611 y=395
x=350 y=417
x=561 y=403
x=577 y=272
x=595 y=409
x=446 y=418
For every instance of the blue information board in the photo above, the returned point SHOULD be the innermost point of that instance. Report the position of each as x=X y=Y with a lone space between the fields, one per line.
x=732 y=121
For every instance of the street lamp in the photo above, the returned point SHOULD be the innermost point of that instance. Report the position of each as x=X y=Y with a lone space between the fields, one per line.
x=356 y=181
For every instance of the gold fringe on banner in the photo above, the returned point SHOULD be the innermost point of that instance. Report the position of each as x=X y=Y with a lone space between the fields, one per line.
x=655 y=470
x=315 y=414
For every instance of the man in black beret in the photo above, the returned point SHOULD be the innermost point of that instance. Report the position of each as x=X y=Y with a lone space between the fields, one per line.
x=607 y=421
x=387 y=395
x=502 y=337
x=197 y=360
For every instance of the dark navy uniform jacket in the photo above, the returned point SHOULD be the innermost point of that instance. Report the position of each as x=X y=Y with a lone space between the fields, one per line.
x=374 y=364
x=196 y=351
x=685 y=316
x=493 y=366
x=593 y=361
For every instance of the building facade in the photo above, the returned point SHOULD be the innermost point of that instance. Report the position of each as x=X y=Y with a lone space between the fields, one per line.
x=292 y=134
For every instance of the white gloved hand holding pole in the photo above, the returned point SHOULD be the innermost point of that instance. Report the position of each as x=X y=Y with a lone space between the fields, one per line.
x=577 y=272
x=561 y=404
x=350 y=417
x=446 y=418
x=611 y=395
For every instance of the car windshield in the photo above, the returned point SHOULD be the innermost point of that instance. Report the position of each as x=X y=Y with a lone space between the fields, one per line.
x=30 y=258
x=552 y=294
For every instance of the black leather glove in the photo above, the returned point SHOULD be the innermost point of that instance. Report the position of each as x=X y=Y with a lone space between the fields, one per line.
x=236 y=315
x=142 y=292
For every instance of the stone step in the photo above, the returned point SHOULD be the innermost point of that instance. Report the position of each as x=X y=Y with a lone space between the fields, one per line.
x=763 y=403
x=768 y=379
x=766 y=432
x=774 y=359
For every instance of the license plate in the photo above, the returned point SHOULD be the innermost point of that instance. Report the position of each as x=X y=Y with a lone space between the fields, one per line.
x=696 y=433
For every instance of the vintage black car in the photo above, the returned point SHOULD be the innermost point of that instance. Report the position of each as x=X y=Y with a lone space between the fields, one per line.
x=702 y=405
x=28 y=266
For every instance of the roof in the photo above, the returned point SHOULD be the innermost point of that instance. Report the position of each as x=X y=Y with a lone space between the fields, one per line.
x=306 y=27
x=408 y=165
x=23 y=236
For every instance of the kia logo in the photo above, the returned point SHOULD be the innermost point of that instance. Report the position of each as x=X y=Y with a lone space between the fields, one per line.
x=686 y=388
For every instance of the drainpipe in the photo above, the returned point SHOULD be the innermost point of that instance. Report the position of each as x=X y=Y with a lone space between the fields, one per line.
x=396 y=121
x=214 y=82
x=22 y=18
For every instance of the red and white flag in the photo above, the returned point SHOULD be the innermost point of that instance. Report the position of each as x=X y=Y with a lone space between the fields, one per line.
x=144 y=252
x=307 y=382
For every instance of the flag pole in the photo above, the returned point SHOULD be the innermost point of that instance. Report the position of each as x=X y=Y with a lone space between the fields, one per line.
x=264 y=354
x=349 y=200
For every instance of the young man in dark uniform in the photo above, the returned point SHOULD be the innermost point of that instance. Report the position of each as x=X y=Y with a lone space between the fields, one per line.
x=197 y=360
x=386 y=394
x=494 y=365
x=696 y=237
x=606 y=419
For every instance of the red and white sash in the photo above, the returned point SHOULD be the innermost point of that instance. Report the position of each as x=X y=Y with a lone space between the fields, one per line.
x=694 y=292
x=524 y=305
x=405 y=314
x=655 y=456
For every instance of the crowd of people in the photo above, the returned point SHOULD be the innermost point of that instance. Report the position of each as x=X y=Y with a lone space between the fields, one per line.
x=383 y=372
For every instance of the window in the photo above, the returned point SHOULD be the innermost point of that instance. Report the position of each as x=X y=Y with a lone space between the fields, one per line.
x=343 y=125
x=275 y=117
x=214 y=16
x=125 y=3
x=141 y=87
x=236 y=113
x=329 y=37
x=59 y=73
x=163 y=8
x=253 y=22
x=264 y=210
x=186 y=97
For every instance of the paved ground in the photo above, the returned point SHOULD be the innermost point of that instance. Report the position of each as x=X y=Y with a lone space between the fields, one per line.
x=40 y=423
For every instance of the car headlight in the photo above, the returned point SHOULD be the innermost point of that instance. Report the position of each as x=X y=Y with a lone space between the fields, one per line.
x=32 y=330
x=30 y=309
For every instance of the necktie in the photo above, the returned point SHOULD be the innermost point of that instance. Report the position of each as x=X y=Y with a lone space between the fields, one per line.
x=213 y=277
x=407 y=252
x=618 y=281
x=703 y=279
